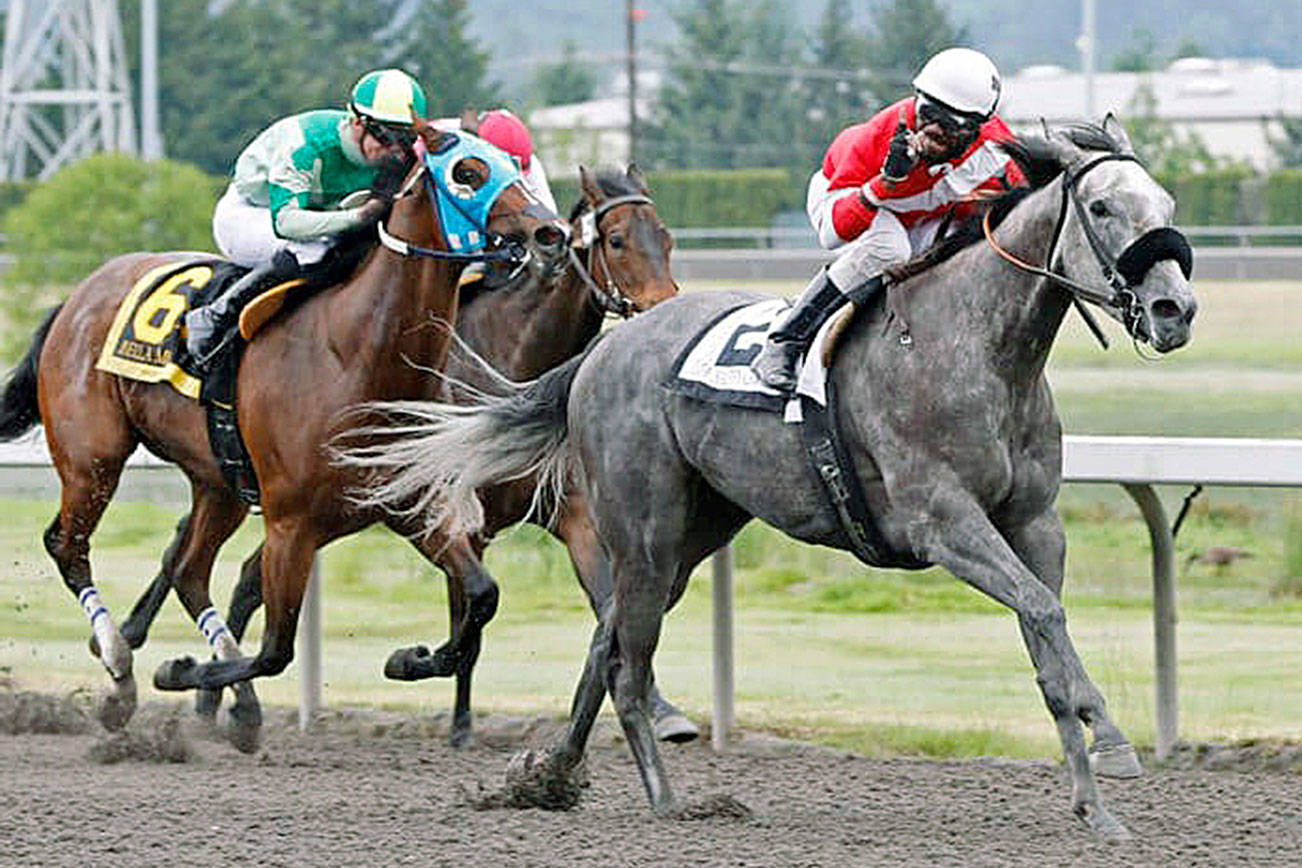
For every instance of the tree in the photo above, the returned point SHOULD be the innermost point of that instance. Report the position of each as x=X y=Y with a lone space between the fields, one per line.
x=730 y=98
x=1287 y=147
x=565 y=82
x=90 y=211
x=1139 y=56
x=833 y=102
x=1163 y=149
x=904 y=35
x=448 y=62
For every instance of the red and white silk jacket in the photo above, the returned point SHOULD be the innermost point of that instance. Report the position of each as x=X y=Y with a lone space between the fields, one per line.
x=853 y=165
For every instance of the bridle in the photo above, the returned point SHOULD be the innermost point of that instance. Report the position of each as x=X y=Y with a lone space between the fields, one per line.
x=610 y=298
x=1122 y=274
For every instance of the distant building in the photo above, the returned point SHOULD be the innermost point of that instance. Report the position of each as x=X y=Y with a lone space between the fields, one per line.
x=1229 y=104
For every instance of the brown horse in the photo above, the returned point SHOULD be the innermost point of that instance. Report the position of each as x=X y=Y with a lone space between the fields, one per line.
x=341 y=347
x=620 y=264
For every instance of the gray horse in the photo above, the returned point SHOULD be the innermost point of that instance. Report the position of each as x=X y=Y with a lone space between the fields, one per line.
x=953 y=434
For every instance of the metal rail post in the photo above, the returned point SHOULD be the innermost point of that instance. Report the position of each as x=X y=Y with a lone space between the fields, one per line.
x=309 y=650
x=1164 y=616
x=721 y=728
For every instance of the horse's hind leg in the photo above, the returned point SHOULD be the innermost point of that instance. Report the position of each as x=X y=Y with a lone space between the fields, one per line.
x=214 y=516
x=593 y=569
x=88 y=482
x=135 y=629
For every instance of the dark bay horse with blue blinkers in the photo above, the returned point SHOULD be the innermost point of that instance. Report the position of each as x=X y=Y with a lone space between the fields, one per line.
x=352 y=343
x=619 y=264
x=953 y=435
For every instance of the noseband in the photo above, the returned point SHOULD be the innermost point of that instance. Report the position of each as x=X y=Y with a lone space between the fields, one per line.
x=1124 y=273
x=609 y=299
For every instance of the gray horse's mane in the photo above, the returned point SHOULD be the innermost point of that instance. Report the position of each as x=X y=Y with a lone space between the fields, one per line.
x=1041 y=161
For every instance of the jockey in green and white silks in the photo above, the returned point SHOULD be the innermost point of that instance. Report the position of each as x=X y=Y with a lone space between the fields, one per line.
x=299 y=183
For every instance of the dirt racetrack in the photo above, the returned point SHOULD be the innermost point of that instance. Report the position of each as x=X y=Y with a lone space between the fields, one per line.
x=370 y=788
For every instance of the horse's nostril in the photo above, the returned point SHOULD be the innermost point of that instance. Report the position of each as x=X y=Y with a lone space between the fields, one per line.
x=549 y=236
x=1165 y=308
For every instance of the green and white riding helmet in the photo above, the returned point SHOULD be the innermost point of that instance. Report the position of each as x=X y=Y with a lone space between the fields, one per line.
x=386 y=99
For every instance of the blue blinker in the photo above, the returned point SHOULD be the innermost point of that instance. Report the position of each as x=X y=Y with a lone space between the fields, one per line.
x=463 y=211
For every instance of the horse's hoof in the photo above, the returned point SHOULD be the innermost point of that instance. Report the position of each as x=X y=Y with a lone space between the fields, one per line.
x=176 y=674
x=206 y=703
x=245 y=729
x=676 y=728
x=541 y=780
x=1102 y=823
x=461 y=737
x=116 y=708
x=1115 y=761
x=411 y=664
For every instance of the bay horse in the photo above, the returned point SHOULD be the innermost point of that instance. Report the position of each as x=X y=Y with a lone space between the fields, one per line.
x=953 y=436
x=619 y=265
x=298 y=378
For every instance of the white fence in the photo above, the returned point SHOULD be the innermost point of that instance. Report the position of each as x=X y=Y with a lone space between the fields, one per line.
x=1135 y=463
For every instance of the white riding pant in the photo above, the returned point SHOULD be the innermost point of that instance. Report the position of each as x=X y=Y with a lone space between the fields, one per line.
x=886 y=242
x=244 y=234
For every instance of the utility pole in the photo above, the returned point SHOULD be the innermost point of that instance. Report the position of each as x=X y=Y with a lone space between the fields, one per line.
x=1085 y=43
x=151 y=138
x=630 y=20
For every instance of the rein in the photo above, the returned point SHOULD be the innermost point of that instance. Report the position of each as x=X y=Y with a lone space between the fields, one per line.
x=609 y=299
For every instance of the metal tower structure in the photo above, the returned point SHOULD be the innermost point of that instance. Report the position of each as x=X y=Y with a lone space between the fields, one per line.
x=64 y=91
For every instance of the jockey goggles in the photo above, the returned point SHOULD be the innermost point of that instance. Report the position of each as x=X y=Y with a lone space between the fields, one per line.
x=952 y=121
x=390 y=136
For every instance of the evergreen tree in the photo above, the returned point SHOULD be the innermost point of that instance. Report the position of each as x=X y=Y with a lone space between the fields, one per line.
x=449 y=63
x=730 y=98
x=904 y=34
x=567 y=81
x=835 y=102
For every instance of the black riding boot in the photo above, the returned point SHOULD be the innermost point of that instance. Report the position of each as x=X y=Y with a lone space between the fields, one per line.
x=207 y=326
x=776 y=363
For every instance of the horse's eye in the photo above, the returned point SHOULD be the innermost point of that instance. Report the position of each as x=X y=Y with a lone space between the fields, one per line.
x=616 y=241
x=464 y=173
x=1099 y=209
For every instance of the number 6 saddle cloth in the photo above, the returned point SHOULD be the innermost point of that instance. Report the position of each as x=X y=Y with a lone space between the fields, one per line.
x=145 y=342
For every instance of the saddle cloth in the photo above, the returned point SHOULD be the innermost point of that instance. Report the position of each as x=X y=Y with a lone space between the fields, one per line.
x=145 y=342
x=715 y=366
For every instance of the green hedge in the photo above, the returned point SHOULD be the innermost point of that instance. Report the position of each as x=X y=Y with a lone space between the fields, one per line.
x=1282 y=198
x=711 y=197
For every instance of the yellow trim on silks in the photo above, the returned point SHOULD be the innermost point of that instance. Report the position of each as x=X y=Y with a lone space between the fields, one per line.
x=134 y=345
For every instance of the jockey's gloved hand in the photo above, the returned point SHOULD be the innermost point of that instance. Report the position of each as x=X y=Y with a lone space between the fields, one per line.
x=901 y=157
x=373 y=209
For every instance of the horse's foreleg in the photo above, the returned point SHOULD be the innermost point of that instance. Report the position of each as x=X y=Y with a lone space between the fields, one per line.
x=286 y=566
x=1041 y=545
x=958 y=535
x=246 y=597
x=574 y=528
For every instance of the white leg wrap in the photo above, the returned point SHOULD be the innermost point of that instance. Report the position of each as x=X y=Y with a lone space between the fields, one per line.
x=218 y=635
x=113 y=650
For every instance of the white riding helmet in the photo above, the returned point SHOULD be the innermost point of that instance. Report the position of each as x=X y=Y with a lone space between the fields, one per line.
x=961 y=79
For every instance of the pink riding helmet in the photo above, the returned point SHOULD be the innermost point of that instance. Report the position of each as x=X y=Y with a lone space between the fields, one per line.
x=508 y=132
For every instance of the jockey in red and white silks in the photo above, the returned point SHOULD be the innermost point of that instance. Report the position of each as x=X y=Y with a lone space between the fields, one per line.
x=886 y=186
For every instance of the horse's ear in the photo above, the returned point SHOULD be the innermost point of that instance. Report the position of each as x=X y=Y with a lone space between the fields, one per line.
x=470 y=121
x=634 y=173
x=591 y=188
x=1117 y=132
